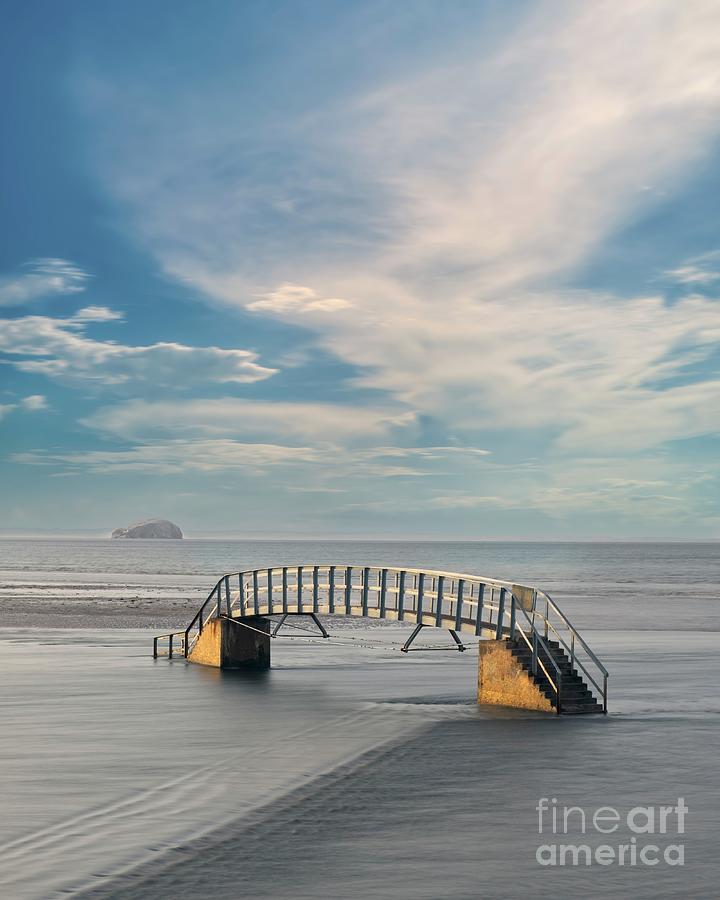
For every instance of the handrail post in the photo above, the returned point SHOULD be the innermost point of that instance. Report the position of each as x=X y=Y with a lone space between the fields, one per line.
x=331 y=589
x=459 y=604
x=155 y=642
x=572 y=651
x=419 y=598
x=605 y=694
x=479 y=610
x=228 y=604
x=348 y=590
x=383 y=592
x=512 y=617
x=500 y=615
x=401 y=596
x=170 y=648
x=284 y=590
x=534 y=651
x=270 y=590
x=365 y=589
x=439 y=600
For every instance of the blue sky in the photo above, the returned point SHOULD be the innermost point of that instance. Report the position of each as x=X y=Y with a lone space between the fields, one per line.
x=379 y=269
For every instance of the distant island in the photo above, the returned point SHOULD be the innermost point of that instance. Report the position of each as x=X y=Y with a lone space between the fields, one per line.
x=150 y=528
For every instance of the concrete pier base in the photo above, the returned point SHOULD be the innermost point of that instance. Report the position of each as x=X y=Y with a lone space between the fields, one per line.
x=228 y=644
x=503 y=681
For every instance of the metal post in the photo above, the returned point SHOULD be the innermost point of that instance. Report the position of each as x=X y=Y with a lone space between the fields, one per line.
x=500 y=616
x=406 y=646
x=605 y=693
x=512 y=617
x=284 y=589
x=365 y=588
x=383 y=592
x=348 y=590
x=572 y=651
x=533 y=665
x=454 y=636
x=256 y=590
x=228 y=604
x=479 y=610
x=299 y=588
x=170 y=649
x=439 y=600
x=331 y=589
x=155 y=640
x=401 y=597
x=315 y=589
x=270 y=591
x=241 y=592
x=459 y=604
x=319 y=625
x=420 y=597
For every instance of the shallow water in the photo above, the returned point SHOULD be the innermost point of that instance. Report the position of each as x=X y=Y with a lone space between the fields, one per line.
x=351 y=770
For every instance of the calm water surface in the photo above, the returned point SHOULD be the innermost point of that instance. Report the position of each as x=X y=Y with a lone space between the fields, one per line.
x=349 y=770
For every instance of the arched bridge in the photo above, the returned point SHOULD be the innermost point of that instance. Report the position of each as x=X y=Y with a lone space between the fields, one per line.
x=531 y=656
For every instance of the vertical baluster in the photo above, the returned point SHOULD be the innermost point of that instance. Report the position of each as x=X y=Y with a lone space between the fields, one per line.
x=170 y=648
x=383 y=592
x=348 y=590
x=479 y=608
x=459 y=605
x=241 y=592
x=270 y=591
x=512 y=617
x=500 y=615
x=420 y=583
x=401 y=597
x=284 y=590
x=315 y=588
x=439 y=601
x=228 y=604
x=299 y=587
x=365 y=587
x=256 y=592
x=331 y=589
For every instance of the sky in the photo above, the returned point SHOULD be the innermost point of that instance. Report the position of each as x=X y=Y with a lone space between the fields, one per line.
x=341 y=269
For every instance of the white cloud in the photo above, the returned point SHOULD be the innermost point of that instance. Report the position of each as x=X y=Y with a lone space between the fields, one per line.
x=442 y=204
x=295 y=298
x=325 y=423
x=60 y=349
x=700 y=270
x=175 y=457
x=34 y=402
x=41 y=278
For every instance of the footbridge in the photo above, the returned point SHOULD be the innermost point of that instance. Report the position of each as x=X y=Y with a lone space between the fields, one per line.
x=530 y=655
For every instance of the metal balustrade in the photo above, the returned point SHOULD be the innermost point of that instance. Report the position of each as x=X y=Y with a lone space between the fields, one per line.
x=486 y=607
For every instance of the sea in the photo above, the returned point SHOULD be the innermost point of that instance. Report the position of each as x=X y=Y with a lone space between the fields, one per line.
x=351 y=770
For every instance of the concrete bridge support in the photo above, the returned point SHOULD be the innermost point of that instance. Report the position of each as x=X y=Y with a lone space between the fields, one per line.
x=231 y=644
x=504 y=681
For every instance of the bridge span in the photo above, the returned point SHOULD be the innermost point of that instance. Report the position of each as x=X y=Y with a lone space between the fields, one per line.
x=530 y=655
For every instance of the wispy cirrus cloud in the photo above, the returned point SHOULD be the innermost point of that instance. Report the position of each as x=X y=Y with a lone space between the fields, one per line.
x=698 y=271
x=61 y=349
x=41 y=278
x=475 y=201
x=174 y=457
x=326 y=423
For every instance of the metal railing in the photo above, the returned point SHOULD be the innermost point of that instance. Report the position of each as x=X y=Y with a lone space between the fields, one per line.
x=487 y=607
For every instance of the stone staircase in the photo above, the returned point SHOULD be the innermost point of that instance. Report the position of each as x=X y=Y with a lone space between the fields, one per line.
x=576 y=696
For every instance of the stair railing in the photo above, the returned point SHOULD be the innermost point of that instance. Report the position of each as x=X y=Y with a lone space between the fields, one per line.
x=555 y=625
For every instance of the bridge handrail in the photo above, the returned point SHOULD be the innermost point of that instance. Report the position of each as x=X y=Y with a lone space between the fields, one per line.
x=525 y=597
